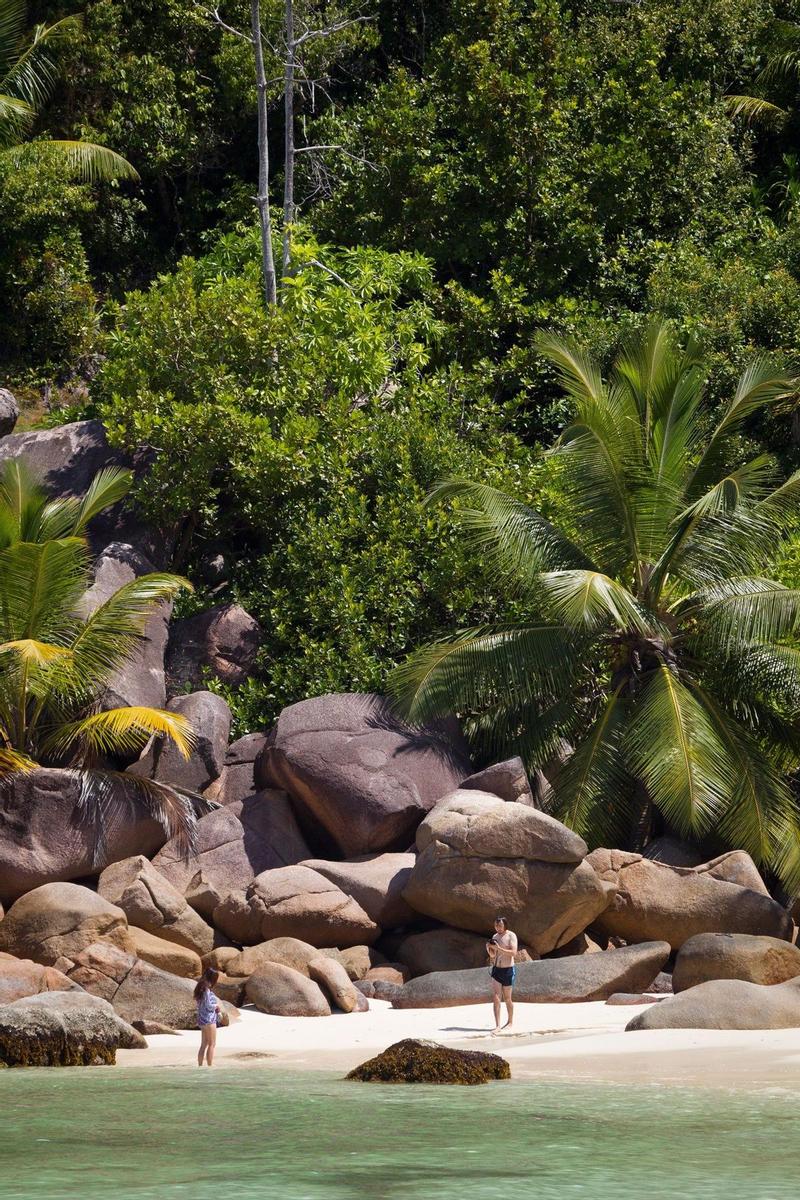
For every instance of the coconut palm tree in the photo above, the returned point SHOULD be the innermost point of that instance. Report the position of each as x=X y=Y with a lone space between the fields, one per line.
x=782 y=69
x=27 y=80
x=653 y=646
x=56 y=659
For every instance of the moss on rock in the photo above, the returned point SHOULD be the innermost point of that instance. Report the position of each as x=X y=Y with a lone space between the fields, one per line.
x=417 y=1061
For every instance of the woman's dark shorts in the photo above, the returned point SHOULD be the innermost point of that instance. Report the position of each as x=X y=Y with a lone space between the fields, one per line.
x=504 y=975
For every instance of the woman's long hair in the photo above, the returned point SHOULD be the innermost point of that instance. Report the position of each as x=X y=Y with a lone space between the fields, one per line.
x=205 y=982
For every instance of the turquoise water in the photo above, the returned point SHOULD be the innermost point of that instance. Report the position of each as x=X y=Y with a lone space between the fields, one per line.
x=252 y=1133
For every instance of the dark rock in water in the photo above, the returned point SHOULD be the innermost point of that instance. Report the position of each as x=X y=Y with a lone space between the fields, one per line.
x=49 y=834
x=726 y=1004
x=236 y=843
x=655 y=901
x=224 y=640
x=353 y=768
x=9 y=412
x=416 y=1061
x=548 y=981
x=508 y=780
x=63 y=1029
x=210 y=719
x=708 y=956
x=479 y=855
x=632 y=998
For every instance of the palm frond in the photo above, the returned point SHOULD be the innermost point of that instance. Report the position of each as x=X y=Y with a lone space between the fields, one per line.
x=515 y=540
x=39 y=587
x=754 y=109
x=13 y=14
x=88 y=161
x=672 y=746
x=122 y=731
x=110 y=635
x=105 y=801
x=12 y=762
x=590 y=792
x=32 y=74
x=34 y=653
x=585 y=600
x=471 y=669
x=744 y=610
x=578 y=375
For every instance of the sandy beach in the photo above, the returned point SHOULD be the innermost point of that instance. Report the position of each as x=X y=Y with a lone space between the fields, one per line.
x=569 y=1041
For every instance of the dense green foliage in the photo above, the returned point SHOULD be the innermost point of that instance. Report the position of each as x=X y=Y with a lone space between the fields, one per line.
x=306 y=444
x=652 y=643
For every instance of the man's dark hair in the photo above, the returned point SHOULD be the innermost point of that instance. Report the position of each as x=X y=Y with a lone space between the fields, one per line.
x=503 y=920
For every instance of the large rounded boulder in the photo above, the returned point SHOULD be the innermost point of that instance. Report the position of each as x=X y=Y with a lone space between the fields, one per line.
x=655 y=902
x=59 y=920
x=138 y=990
x=49 y=832
x=376 y=883
x=233 y=845
x=20 y=977
x=764 y=960
x=210 y=720
x=295 y=902
x=151 y=902
x=726 y=1004
x=479 y=856
x=571 y=980
x=283 y=992
x=354 y=769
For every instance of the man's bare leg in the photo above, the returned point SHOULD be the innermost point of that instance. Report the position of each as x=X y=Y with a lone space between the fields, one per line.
x=496 y=1004
x=509 y=1007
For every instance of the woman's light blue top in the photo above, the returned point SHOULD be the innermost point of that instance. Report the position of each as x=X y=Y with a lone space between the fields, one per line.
x=207 y=1008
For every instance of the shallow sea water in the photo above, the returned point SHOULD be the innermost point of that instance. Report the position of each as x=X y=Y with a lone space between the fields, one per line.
x=242 y=1134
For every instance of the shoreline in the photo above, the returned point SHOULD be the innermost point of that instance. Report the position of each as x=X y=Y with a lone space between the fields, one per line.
x=580 y=1042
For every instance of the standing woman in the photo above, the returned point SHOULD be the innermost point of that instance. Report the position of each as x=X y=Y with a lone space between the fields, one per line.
x=208 y=1014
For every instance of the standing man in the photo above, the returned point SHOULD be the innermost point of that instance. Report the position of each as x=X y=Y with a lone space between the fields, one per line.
x=502 y=950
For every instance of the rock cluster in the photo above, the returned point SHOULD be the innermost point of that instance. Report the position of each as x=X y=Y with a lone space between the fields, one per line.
x=345 y=853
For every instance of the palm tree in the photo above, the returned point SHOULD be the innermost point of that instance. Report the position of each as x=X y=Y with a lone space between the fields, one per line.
x=782 y=68
x=651 y=646
x=27 y=80
x=55 y=662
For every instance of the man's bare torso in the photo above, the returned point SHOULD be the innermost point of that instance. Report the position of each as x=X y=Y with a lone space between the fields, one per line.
x=506 y=947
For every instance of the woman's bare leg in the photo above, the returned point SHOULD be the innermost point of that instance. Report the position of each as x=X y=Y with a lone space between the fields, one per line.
x=201 y=1053
x=211 y=1044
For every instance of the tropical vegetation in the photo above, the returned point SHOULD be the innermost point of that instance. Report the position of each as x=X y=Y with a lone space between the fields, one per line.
x=57 y=655
x=652 y=644
x=453 y=178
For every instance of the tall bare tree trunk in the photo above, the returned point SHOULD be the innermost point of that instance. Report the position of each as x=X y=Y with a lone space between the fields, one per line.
x=262 y=199
x=288 y=104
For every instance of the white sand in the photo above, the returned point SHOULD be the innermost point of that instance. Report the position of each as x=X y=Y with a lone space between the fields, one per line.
x=576 y=1041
